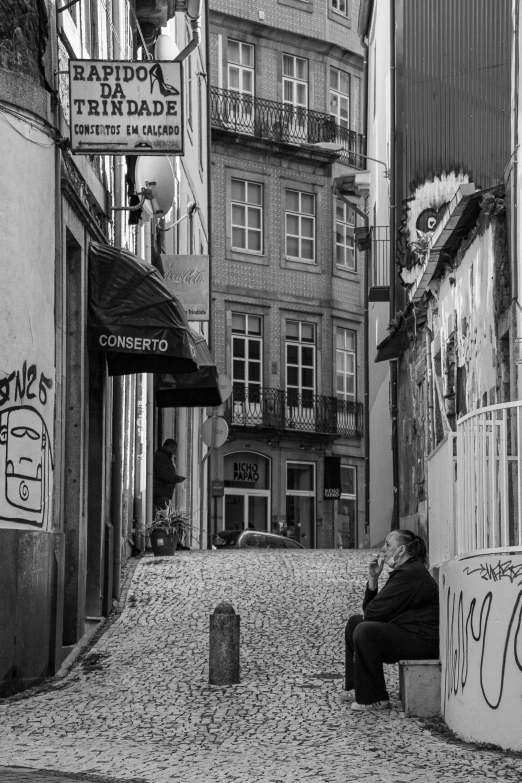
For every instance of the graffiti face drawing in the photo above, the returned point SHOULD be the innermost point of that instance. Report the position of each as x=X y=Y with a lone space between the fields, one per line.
x=25 y=439
x=24 y=462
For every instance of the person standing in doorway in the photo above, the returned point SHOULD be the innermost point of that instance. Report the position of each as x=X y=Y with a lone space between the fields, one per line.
x=165 y=475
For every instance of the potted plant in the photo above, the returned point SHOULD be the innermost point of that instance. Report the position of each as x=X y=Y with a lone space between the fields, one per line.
x=167 y=529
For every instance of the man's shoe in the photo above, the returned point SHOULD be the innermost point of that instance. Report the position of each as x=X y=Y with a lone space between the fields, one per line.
x=347 y=695
x=375 y=707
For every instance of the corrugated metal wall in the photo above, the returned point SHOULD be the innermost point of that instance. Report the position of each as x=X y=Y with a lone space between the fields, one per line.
x=453 y=90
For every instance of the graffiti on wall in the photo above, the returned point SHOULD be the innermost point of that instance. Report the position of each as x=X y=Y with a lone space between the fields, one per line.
x=495 y=573
x=472 y=620
x=26 y=460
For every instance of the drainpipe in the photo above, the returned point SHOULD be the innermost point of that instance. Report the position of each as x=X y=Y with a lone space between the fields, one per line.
x=58 y=528
x=367 y=476
x=193 y=13
x=206 y=470
x=150 y=403
x=515 y=191
x=118 y=395
x=394 y=363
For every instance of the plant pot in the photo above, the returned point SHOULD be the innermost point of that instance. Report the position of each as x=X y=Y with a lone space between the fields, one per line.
x=163 y=543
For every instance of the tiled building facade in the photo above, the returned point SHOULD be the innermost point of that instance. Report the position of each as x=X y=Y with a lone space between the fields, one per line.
x=288 y=283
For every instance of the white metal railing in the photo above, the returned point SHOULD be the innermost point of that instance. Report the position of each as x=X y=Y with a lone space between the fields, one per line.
x=489 y=483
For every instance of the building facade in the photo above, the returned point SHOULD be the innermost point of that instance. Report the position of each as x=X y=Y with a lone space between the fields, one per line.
x=288 y=282
x=454 y=332
x=76 y=444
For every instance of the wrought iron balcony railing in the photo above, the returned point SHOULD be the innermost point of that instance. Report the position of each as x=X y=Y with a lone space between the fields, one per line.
x=288 y=410
x=274 y=121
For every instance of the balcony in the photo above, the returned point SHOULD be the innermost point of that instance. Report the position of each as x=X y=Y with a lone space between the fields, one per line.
x=279 y=122
x=275 y=409
x=379 y=264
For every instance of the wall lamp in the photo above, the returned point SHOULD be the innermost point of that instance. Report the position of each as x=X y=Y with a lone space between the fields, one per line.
x=334 y=146
x=144 y=194
x=192 y=208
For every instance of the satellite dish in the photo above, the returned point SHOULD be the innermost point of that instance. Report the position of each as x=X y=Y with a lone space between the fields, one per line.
x=155 y=173
x=214 y=432
x=165 y=48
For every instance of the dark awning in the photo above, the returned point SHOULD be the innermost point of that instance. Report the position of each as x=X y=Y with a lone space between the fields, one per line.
x=134 y=317
x=198 y=390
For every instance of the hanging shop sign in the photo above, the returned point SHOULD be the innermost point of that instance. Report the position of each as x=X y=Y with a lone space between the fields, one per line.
x=124 y=108
x=188 y=279
x=332 y=478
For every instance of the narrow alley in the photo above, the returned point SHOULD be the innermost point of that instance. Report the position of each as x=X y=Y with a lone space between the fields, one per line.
x=138 y=705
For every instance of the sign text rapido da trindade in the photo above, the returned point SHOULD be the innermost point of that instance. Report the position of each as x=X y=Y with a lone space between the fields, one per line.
x=127 y=106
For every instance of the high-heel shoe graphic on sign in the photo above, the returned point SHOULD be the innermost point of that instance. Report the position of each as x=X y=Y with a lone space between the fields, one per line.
x=156 y=75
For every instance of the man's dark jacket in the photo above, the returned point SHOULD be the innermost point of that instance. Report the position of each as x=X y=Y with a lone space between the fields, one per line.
x=409 y=599
x=165 y=478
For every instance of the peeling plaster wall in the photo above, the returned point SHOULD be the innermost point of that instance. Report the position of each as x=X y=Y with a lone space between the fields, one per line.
x=23 y=36
x=412 y=401
x=468 y=308
x=481 y=648
x=467 y=323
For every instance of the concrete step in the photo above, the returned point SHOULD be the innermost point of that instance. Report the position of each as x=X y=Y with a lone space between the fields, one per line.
x=419 y=687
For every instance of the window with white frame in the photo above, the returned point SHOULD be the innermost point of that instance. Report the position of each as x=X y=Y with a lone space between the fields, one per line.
x=247 y=216
x=347 y=507
x=340 y=6
x=247 y=368
x=240 y=67
x=346 y=363
x=300 y=360
x=340 y=97
x=300 y=226
x=247 y=352
x=295 y=81
x=345 y=222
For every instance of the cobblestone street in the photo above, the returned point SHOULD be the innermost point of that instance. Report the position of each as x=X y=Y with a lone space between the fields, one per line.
x=139 y=706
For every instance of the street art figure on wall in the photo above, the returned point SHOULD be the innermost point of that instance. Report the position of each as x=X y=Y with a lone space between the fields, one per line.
x=422 y=213
x=26 y=461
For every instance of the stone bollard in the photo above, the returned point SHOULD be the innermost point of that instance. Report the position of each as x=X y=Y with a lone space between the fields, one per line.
x=224 y=646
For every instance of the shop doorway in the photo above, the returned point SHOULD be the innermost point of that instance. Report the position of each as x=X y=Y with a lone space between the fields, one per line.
x=246 y=511
x=247 y=491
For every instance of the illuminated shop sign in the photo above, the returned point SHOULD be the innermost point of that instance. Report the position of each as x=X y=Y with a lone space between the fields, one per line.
x=123 y=108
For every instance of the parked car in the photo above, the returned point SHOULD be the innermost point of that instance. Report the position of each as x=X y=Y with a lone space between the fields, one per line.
x=253 y=539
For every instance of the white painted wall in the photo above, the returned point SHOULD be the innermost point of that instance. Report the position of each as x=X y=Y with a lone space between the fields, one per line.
x=27 y=330
x=442 y=501
x=481 y=614
x=381 y=485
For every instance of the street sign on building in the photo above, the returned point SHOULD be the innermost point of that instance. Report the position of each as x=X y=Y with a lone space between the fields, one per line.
x=217 y=488
x=123 y=108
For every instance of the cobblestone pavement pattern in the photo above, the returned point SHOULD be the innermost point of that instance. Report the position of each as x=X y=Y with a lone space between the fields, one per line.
x=139 y=705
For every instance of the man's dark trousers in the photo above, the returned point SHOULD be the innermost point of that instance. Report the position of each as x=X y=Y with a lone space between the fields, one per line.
x=368 y=646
